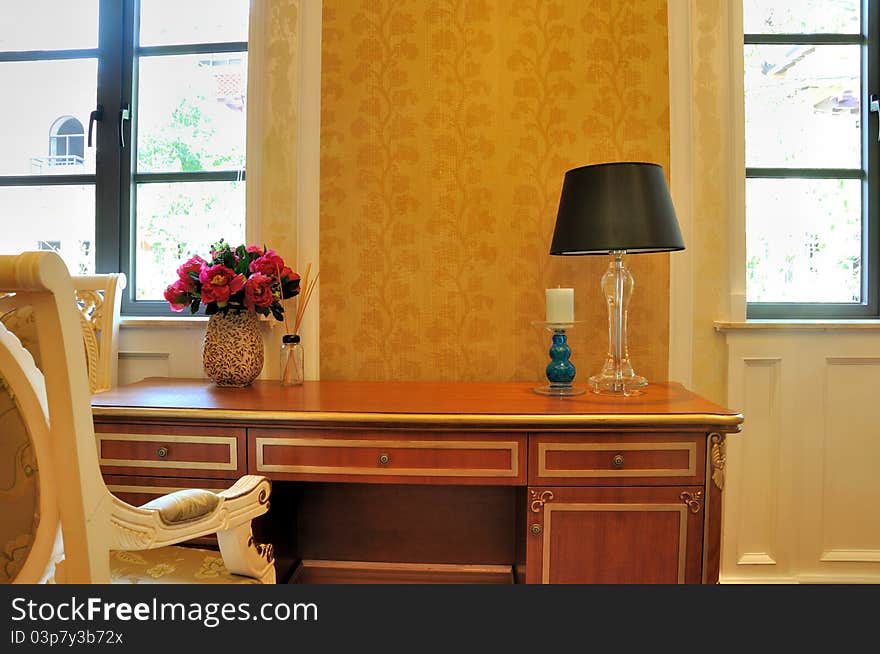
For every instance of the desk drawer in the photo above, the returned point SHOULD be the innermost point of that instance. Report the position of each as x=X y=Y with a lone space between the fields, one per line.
x=384 y=457
x=617 y=459
x=171 y=451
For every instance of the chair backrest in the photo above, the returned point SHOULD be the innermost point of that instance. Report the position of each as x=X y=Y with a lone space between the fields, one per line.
x=98 y=298
x=48 y=428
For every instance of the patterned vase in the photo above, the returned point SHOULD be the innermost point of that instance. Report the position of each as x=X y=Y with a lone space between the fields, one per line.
x=233 y=352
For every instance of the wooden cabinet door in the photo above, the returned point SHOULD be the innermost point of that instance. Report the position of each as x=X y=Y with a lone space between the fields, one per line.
x=614 y=535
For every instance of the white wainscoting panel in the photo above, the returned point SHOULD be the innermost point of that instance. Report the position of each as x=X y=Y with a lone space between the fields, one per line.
x=134 y=366
x=168 y=350
x=850 y=479
x=802 y=498
x=757 y=521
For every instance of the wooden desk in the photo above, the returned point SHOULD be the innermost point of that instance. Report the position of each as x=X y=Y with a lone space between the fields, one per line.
x=442 y=481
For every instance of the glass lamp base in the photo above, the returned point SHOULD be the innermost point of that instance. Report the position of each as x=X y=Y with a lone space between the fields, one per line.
x=559 y=390
x=614 y=385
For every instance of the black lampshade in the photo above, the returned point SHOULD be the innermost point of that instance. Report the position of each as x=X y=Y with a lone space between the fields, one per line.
x=615 y=206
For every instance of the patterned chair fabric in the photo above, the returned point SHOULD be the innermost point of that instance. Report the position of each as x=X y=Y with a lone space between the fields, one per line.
x=19 y=487
x=172 y=565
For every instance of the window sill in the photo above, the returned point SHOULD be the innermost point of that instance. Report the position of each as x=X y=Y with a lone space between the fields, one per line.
x=794 y=325
x=162 y=321
x=183 y=321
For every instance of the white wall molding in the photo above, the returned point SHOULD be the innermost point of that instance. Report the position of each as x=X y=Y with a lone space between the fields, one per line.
x=864 y=556
x=736 y=135
x=755 y=501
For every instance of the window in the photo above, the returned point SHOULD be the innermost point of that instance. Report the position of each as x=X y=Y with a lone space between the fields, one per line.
x=67 y=142
x=158 y=173
x=811 y=158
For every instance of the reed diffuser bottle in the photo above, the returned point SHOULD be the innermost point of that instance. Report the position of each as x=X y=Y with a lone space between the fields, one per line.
x=291 y=360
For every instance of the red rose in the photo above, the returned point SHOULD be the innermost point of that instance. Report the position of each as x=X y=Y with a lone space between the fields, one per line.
x=269 y=264
x=287 y=272
x=253 y=249
x=178 y=294
x=258 y=291
x=218 y=283
x=192 y=265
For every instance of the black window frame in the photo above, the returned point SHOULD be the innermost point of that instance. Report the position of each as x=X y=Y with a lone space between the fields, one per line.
x=115 y=177
x=869 y=174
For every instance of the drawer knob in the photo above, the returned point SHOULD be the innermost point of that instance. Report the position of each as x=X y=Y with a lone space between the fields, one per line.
x=162 y=452
x=536 y=529
x=384 y=459
x=617 y=461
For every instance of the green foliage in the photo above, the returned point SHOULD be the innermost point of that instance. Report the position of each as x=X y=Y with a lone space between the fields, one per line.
x=182 y=143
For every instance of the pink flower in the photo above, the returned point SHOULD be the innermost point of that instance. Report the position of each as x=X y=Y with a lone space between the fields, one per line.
x=192 y=265
x=178 y=294
x=254 y=249
x=258 y=291
x=218 y=283
x=268 y=264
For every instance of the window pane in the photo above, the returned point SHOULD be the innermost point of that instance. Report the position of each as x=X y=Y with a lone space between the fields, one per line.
x=804 y=240
x=48 y=25
x=802 y=106
x=191 y=112
x=60 y=218
x=801 y=16
x=176 y=221
x=44 y=129
x=168 y=22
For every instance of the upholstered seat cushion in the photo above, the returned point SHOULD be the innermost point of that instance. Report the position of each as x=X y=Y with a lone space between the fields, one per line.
x=172 y=565
x=184 y=505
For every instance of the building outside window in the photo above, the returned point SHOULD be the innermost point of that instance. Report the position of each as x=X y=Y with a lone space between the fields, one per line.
x=67 y=142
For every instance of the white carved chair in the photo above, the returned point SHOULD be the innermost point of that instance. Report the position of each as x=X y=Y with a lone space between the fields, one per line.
x=60 y=523
x=97 y=299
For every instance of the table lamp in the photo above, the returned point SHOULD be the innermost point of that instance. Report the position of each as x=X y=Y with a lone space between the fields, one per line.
x=617 y=209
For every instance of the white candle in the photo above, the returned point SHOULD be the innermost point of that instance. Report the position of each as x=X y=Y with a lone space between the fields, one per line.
x=560 y=305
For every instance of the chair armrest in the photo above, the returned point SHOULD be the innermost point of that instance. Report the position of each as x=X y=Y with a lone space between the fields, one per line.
x=149 y=526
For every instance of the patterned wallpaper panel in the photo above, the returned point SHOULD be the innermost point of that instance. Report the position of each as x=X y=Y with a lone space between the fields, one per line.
x=447 y=127
x=278 y=123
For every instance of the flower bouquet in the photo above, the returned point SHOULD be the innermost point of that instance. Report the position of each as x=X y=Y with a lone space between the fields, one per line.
x=242 y=279
x=235 y=286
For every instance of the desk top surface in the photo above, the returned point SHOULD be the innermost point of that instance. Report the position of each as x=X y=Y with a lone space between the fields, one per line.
x=498 y=405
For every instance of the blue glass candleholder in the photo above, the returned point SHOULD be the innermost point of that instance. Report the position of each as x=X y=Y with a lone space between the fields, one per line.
x=560 y=371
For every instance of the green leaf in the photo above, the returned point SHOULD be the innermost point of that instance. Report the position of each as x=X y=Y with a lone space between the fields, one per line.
x=210 y=308
x=289 y=288
x=194 y=307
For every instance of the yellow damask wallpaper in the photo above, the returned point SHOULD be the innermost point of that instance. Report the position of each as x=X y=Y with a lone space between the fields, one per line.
x=447 y=127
